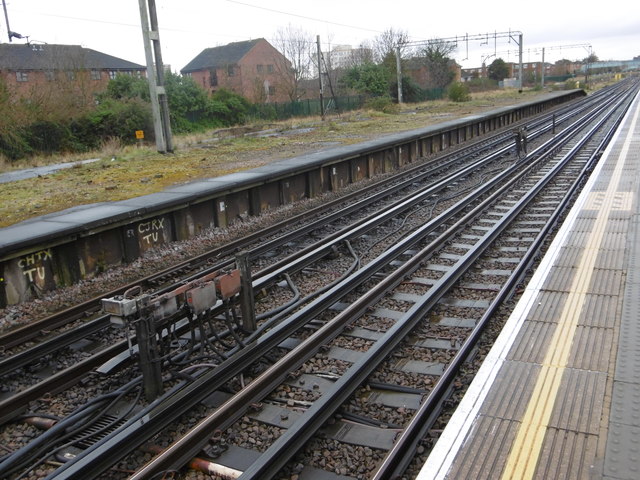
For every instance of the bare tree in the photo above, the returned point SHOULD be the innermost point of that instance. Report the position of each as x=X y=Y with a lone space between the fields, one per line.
x=385 y=44
x=297 y=46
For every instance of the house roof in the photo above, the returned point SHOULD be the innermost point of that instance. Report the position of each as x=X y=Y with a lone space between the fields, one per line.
x=216 y=57
x=59 y=57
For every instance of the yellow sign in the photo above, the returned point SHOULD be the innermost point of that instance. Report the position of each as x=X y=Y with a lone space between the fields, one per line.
x=139 y=134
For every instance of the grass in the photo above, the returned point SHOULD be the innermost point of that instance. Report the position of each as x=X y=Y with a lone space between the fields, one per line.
x=126 y=172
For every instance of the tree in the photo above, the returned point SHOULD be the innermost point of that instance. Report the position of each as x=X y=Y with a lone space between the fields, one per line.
x=186 y=100
x=126 y=86
x=385 y=44
x=562 y=67
x=498 y=70
x=297 y=47
x=593 y=58
x=435 y=56
x=369 y=79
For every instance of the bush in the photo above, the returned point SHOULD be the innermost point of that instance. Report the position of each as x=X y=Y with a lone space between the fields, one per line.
x=125 y=87
x=14 y=146
x=367 y=79
x=482 y=84
x=228 y=107
x=572 y=83
x=121 y=118
x=381 y=104
x=50 y=137
x=459 y=92
x=411 y=91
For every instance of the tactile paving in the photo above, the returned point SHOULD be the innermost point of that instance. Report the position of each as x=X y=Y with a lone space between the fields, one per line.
x=622 y=457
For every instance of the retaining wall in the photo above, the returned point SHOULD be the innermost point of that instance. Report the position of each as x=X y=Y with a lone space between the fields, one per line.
x=59 y=249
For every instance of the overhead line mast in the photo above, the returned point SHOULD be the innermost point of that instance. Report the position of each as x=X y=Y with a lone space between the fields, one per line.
x=514 y=35
x=155 y=76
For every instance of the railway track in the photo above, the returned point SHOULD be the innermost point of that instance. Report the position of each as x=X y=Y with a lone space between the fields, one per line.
x=414 y=278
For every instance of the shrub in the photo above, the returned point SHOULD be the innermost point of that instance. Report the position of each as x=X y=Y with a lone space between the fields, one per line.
x=572 y=83
x=411 y=91
x=482 y=84
x=14 y=146
x=126 y=86
x=49 y=137
x=459 y=92
x=229 y=107
x=121 y=118
x=368 y=79
x=381 y=104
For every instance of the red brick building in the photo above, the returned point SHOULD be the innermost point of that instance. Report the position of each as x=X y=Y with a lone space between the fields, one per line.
x=253 y=69
x=41 y=71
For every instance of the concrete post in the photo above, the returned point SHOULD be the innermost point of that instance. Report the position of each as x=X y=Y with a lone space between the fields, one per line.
x=247 y=305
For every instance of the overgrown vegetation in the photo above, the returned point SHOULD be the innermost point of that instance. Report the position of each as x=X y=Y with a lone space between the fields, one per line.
x=127 y=171
x=30 y=125
x=59 y=117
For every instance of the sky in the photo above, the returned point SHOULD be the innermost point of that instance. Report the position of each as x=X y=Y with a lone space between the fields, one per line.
x=565 y=29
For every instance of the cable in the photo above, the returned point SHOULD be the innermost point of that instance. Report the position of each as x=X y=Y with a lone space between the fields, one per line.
x=302 y=16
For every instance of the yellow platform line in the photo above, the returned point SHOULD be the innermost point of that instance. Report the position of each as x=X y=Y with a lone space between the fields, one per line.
x=525 y=452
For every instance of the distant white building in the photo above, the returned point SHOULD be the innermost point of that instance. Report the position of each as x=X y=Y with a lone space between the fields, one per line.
x=341 y=56
x=344 y=56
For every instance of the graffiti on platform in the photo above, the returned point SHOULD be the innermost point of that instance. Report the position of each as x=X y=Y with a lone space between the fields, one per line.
x=149 y=230
x=33 y=265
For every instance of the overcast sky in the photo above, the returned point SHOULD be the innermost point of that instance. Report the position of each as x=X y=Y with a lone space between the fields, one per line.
x=562 y=27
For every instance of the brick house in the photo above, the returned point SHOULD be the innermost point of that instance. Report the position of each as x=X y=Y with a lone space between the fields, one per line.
x=253 y=69
x=36 y=70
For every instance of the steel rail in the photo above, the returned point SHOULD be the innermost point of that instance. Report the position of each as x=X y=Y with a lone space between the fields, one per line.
x=263 y=233
x=285 y=447
x=15 y=336
x=25 y=357
x=31 y=330
x=273 y=273
x=166 y=410
x=121 y=442
x=13 y=405
x=27 y=332
x=287 y=444
x=399 y=457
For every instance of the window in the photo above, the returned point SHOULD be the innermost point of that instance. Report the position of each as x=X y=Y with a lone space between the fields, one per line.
x=270 y=68
x=213 y=78
x=260 y=68
x=112 y=74
x=71 y=75
x=231 y=70
x=272 y=90
x=96 y=74
x=49 y=75
x=22 y=76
